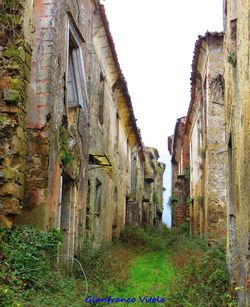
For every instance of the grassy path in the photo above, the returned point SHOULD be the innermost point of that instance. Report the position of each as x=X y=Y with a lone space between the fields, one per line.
x=149 y=275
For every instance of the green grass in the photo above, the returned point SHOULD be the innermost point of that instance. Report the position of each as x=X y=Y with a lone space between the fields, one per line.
x=144 y=263
x=149 y=275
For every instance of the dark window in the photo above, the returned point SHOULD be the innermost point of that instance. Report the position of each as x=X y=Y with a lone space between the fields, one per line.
x=66 y=215
x=98 y=198
x=88 y=223
x=117 y=133
x=101 y=101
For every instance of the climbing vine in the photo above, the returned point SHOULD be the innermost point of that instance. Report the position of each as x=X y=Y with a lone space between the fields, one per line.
x=232 y=59
x=189 y=200
x=186 y=172
x=66 y=155
x=155 y=198
x=69 y=153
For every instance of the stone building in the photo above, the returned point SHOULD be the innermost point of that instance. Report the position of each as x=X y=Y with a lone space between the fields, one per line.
x=204 y=127
x=237 y=152
x=71 y=155
x=180 y=200
x=153 y=188
x=135 y=197
x=52 y=137
x=115 y=142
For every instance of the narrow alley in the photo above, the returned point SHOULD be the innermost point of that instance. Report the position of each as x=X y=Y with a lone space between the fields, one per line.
x=82 y=197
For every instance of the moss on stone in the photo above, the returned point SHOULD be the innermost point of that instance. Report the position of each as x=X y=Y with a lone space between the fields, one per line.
x=11 y=95
x=9 y=173
x=20 y=133
x=2 y=119
x=69 y=157
x=11 y=53
x=16 y=84
x=17 y=146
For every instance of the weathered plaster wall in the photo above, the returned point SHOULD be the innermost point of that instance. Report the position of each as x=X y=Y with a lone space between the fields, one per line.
x=134 y=198
x=51 y=168
x=236 y=60
x=207 y=139
x=114 y=137
x=57 y=136
x=215 y=165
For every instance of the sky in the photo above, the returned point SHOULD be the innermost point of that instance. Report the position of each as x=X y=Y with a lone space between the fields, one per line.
x=155 y=40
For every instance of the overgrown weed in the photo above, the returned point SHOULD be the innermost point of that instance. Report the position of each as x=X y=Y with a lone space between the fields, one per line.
x=146 y=239
x=203 y=279
x=30 y=274
x=106 y=266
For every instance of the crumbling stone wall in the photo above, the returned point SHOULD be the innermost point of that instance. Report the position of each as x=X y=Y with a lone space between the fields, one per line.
x=153 y=188
x=215 y=166
x=113 y=137
x=237 y=109
x=178 y=146
x=15 y=66
x=47 y=131
x=135 y=197
x=158 y=192
x=55 y=187
x=204 y=127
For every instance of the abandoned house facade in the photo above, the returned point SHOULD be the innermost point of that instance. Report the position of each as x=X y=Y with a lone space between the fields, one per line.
x=180 y=200
x=205 y=119
x=237 y=115
x=71 y=154
x=202 y=129
x=217 y=127
x=153 y=184
x=113 y=134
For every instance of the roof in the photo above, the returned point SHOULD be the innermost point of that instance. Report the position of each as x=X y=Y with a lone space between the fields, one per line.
x=172 y=140
x=197 y=49
x=121 y=79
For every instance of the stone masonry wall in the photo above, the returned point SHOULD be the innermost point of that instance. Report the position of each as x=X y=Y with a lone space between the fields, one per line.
x=15 y=66
x=180 y=173
x=57 y=136
x=215 y=165
x=237 y=96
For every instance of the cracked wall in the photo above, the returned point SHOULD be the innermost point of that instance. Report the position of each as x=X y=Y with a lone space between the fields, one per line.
x=57 y=135
x=236 y=61
x=206 y=118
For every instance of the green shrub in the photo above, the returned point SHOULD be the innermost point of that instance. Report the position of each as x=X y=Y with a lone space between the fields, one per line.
x=204 y=281
x=30 y=274
x=106 y=266
x=186 y=172
x=25 y=253
x=134 y=235
x=93 y=259
x=147 y=239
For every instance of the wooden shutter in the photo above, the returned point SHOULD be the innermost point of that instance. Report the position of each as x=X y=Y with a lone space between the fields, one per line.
x=71 y=83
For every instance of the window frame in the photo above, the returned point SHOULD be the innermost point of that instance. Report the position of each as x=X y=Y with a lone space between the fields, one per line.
x=75 y=54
